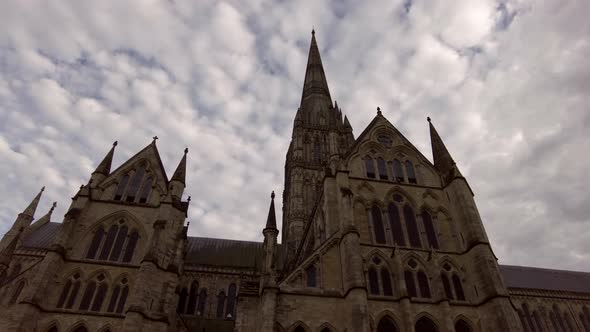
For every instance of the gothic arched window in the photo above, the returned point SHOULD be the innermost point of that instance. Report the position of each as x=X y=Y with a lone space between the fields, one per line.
x=429 y=227
x=69 y=292
x=425 y=325
x=135 y=183
x=116 y=246
x=192 y=298
x=145 y=190
x=373 y=281
x=382 y=166
x=96 y=240
x=310 y=276
x=410 y=172
x=410 y=283
x=81 y=329
x=386 y=324
x=53 y=329
x=231 y=301
x=202 y=302
x=17 y=291
x=378 y=225
x=119 y=297
x=299 y=329
x=412 y=227
x=220 y=304
x=136 y=188
x=396 y=225
x=462 y=326
x=398 y=172
x=92 y=296
x=370 y=167
x=121 y=187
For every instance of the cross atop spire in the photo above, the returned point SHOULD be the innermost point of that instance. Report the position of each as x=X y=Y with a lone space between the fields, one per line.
x=315 y=82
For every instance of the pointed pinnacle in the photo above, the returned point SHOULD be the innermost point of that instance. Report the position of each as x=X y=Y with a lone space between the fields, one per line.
x=30 y=210
x=315 y=82
x=271 y=220
x=180 y=173
x=105 y=165
x=443 y=161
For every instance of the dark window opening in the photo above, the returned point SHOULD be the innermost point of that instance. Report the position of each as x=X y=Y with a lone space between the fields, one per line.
x=423 y=284
x=378 y=225
x=412 y=227
x=458 y=288
x=96 y=240
x=192 y=298
x=462 y=326
x=134 y=184
x=446 y=286
x=202 y=302
x=382 y=166
x=231 y=301
x=145 y=190
x=425 y=325
x=220 y=304
x=410 y=284
x=373 y=282
x=370 y=166
x=386 y=325
x=87 y=297
x=310 y=273
x=398 y=172
x=396 y=225
x=430 y=232
x=386 y=281
x=410 y=172
x=121 y=188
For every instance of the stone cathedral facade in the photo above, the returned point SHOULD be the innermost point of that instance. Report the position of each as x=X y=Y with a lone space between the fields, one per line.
x=375 y=237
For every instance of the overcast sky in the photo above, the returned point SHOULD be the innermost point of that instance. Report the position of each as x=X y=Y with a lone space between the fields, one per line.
x=505 y=82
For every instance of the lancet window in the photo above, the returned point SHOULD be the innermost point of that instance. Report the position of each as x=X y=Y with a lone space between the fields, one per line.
x=452 y=283
x=311 y=276
x=119 y=297
x=378 y=228
x=379 y=278
x=135 y=188
x=416 y=280
x=69 y=292
x=94 y=294
x=117 y=244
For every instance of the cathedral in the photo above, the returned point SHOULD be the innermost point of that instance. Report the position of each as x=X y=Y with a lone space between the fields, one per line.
x=375 y=237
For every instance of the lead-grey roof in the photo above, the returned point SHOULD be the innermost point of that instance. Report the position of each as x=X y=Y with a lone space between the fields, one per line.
x=538 y=278
x=222 y=252
x=43 y=237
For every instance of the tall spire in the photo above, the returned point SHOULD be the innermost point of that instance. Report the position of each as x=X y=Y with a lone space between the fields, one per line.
x=443 y=161
x=315 y=79
x=30 y=210
x=180 y=173
x=271 y=220
x=105 y=165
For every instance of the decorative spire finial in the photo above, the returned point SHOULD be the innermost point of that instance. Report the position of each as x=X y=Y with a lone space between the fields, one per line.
x=155 y=138
x=378 y=110
x=272 y=195
x=271 y=220
x=53 y=207
x=312 y=30
x=185 y=150
x=188 y=199
x=115 y=143
x=428 y=118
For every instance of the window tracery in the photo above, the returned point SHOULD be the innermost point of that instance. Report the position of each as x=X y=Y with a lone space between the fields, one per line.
x=135 y=188
x=415 y=276
x=380 y=282
x=452 y=284
x=116 y=245
x=119 y=297
x=94 y=294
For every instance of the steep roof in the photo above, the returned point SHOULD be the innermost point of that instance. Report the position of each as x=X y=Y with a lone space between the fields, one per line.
x=42 y=237
x=538 y=278
x=222 y=252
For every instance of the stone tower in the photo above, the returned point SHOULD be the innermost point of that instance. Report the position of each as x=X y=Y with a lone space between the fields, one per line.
x=320 y=138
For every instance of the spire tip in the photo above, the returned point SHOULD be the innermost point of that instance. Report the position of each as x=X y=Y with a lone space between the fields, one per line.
x=185 y=150
x=115 y=143
x=272 y=195
x=428 y=118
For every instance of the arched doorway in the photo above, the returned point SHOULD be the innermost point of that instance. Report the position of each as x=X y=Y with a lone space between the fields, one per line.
x=425 y=325
x=386 y=325
x=462 y=326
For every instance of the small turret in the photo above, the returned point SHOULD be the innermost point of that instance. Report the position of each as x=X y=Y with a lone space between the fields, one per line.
x=43 y=220
x=30 y=210
x=270 y=233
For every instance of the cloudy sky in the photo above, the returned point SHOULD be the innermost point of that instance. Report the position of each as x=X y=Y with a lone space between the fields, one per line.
x=506 y=83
